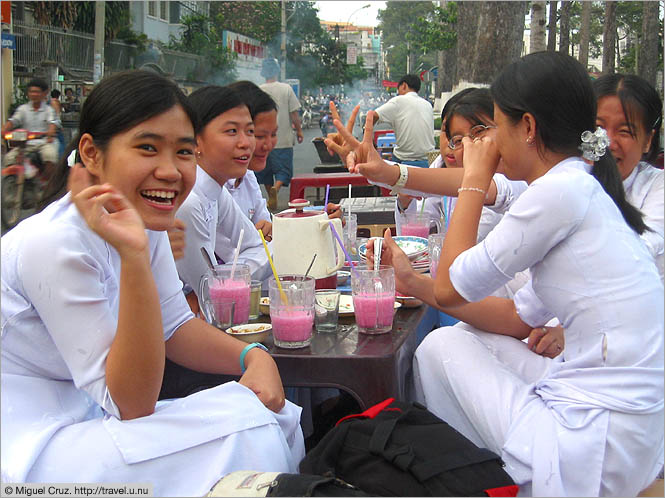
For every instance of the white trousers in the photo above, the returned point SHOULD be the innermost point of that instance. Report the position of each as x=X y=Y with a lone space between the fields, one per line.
x=87 y=452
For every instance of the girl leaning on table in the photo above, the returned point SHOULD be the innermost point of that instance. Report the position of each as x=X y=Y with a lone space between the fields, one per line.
x=589 y=422
x=92 y=306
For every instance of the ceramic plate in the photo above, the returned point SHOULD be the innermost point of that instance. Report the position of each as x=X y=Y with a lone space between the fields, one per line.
x=414 y=247
x=346 y=305
x=250 y=332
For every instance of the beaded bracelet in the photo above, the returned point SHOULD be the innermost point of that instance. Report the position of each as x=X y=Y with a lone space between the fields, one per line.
x=471 y=189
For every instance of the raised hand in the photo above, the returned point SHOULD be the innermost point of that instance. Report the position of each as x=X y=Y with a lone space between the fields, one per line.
x=107 y=212
x=481 y=156
x=336 y=137
x=177 y=239
x=362 y=157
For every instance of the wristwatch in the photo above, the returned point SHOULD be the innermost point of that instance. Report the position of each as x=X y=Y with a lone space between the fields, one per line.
x=401 y=181
x=246 y=350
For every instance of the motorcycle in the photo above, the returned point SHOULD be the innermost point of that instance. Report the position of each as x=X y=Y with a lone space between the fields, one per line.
x=306 y=117
x=22 y=181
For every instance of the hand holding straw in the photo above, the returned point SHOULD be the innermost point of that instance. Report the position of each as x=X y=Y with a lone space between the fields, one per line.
x=235 y=256
x=285 y=301
x=346 y=254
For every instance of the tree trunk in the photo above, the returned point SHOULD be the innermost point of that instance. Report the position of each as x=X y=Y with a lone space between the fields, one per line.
x=447 y=62
x=489 y=36
x=537 y=38
x=647 y=65
x=609 y=36
x=585 y=29
x=564 y=27
x=551 y=28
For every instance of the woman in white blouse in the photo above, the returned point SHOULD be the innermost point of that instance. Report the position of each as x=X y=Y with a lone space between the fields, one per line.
x=631 y=112
x=245 y=190
x=213 y=220
x=589 y=422
x=92 y=305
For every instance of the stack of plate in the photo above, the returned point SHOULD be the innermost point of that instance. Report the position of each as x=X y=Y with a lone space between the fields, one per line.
x=414 y=247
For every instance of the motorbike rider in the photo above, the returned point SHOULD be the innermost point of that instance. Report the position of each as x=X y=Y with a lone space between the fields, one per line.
x=36 y=116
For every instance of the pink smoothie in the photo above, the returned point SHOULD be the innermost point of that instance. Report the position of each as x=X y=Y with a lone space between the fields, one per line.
x=365 y=305
x=238 y=291
x=415 y=230
x=292 y=325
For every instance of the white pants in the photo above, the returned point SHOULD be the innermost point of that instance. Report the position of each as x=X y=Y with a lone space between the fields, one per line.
x=480 y=383
x=459 y=371
x=87 y=451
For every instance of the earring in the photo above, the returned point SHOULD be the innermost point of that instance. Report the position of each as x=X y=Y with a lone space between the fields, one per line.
x=198 y=153
x=529 y=141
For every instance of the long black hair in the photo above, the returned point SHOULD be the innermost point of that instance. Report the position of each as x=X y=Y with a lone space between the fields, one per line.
x=212 y=100
x=557 y=91
x=118 y=103
x=256 y=99
x=453 y=100
x=640 y=103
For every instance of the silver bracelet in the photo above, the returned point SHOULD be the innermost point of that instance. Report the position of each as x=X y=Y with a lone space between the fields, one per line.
x=471 y=189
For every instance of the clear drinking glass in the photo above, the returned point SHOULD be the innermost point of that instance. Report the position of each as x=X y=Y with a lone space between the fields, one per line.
x=350 y=230
x=326 y=308
x=254 y=299
x=417 y=224
x=434 y=245
x=217 y=284
x=292 y=319
x=219 y=312
x=373 y=293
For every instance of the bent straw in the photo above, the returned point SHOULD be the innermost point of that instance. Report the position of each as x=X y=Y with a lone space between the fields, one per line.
x=346 y=254
x=235 y=256
x=285 y=301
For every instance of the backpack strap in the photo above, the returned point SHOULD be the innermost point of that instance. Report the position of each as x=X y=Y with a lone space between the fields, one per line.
x=450 y=461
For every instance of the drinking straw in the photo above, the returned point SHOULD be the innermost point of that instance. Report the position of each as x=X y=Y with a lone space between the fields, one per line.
x=445 y=212
x=235 y=256
x=450 y=209
x=349 y=228
x=325 y=203
x=422 y=206
x=346 y=254
x=285 y=301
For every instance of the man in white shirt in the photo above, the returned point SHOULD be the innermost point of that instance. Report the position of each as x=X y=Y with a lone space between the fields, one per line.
x=279 y=166
x=412 y=119
x=35 y=115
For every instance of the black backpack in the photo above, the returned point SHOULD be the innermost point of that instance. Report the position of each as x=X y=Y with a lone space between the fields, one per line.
x=401 y=449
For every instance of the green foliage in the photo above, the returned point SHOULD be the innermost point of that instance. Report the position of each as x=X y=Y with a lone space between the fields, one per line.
x=436 y=30
x=116 y=18
x=201 y=37
x=260 y=20
x=397 y=22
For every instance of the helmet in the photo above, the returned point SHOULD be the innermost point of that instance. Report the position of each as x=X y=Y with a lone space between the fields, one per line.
x=269 y=68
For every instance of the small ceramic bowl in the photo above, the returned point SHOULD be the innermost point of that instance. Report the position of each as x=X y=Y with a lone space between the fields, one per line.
x=250 y=332
x=264 y=305
x=343 y=277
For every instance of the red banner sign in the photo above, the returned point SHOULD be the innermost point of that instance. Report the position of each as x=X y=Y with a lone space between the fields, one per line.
x=6 y=8
x=389 y=84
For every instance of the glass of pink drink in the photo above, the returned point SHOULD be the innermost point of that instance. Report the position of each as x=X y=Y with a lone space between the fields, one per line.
x=293 y=320
x=417 y=224
x=217 y=284
x=434 y=246
x=373 y=293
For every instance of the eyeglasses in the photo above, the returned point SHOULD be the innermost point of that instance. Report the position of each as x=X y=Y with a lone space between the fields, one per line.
x=475 y=132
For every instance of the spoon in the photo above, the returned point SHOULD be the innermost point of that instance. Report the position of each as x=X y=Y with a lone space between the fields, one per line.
x=208 y=261
x=378 y=286
x=310 y=265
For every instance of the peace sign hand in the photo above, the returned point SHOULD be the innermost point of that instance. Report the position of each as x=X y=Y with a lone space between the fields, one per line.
x=108 y=213
x=362 y=157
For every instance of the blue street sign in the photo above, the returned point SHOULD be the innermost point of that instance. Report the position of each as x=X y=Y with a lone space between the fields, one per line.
x=8 y=41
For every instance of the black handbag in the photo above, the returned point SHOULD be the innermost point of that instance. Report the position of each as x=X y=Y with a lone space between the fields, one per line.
x=401 y=449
